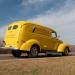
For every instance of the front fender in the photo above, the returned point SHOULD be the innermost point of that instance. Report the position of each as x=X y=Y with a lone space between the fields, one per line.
x=27 y=45
x=62 y=47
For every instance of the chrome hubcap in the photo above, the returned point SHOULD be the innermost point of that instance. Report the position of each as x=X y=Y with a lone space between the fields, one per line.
x=34 y=51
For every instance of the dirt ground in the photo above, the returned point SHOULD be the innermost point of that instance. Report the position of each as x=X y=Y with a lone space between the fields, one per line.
x=52 y=65
x=58 y=65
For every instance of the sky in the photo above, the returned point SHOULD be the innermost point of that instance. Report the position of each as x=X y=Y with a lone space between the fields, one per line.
x=56 y=14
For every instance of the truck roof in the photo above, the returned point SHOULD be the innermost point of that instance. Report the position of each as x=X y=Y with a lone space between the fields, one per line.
x=25 y=22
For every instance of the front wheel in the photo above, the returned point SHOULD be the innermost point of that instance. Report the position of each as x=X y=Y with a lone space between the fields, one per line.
x=16 y=53
x=66 y=52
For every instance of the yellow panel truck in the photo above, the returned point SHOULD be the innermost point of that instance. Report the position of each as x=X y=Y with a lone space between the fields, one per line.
x=23 y=36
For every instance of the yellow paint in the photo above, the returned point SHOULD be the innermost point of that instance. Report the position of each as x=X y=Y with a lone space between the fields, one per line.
x=27 y=34
x=62 y=47
x=27 y=45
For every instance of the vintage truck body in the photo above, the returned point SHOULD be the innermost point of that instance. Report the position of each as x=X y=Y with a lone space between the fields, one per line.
x=23 y=36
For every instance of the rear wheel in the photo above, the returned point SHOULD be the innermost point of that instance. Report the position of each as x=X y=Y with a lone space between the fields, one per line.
x=66 y=52
x=16 y=53
x=33 y=51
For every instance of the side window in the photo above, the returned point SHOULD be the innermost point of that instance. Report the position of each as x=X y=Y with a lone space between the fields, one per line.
x=15 y=27
x=41 y=30
x=9 y=28
x=30 y=28
x=33 y=29
x=53 y=34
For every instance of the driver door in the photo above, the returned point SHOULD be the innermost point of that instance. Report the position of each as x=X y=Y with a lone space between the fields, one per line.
x=54 y=41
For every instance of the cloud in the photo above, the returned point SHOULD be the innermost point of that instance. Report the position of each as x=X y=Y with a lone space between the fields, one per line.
x=62 y=20
x=31 y=8
x=57 y=14
x=24 y=2
x=27 y=2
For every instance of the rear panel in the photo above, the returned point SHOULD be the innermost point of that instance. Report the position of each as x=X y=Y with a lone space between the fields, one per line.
x=12 y=34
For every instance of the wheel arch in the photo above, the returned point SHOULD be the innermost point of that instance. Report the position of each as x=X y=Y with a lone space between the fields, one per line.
x=28 y=44
x=62 y=47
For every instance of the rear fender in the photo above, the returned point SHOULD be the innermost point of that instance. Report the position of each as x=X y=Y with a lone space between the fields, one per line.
x=27 y=45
